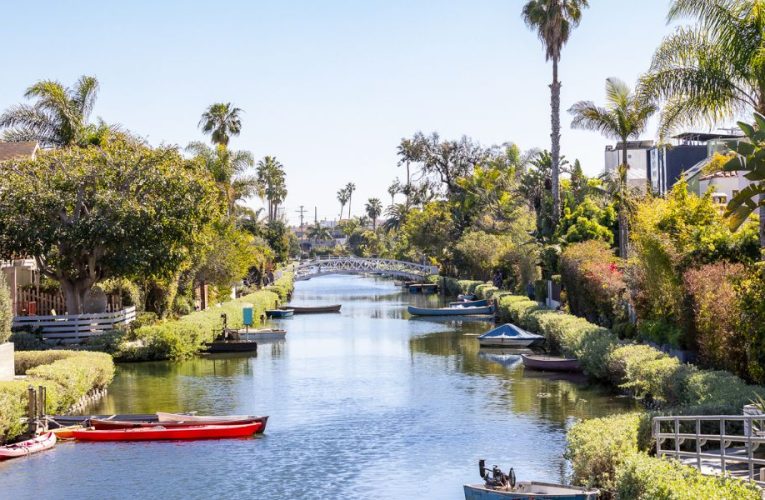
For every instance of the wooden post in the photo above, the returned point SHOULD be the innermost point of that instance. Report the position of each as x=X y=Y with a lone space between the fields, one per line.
x=31 y=410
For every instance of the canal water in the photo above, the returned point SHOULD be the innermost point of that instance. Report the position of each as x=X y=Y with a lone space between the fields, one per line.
x=368 y=403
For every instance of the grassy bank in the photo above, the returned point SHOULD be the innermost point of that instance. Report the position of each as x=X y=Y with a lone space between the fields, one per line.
x=184 y=337
x=66 y=375
x=612 y=453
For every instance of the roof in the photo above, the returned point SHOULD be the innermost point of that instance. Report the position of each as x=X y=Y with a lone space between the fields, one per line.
x=643 y=144
x=10 y=150
x=703 y=136
x=718 y=175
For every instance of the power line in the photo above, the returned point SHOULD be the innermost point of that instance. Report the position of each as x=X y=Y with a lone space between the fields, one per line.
x=301 y=212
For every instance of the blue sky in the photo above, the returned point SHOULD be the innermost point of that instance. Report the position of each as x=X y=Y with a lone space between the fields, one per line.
x=330 y=87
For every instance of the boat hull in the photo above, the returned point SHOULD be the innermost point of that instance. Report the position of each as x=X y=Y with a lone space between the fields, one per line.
x=470 y=303
x=450 y=311
x=232 y=346
x=550 y=363
x=529 y=491
x=508 y=335
x=505 y=342
x=263 y=335
x=35 y=445
x=279 y=313
x=316 y=310
x=160 y=433
x=186 y=422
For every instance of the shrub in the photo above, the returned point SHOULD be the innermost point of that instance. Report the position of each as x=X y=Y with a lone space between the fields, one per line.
x=6 y=310
x=641 y=477
x=25 y=341
x=598 y=446
x=750 y=292
x=485 y=290
x=469 y=286
x=14 y=400
x=623 y=361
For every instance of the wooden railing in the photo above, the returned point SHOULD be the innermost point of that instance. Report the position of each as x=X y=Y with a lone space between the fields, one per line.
x=70 y=329
x=30 y=301
x=736 y=438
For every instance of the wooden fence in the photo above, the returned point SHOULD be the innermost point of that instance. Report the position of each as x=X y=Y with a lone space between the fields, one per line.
x=30 y=302
x=72 y=329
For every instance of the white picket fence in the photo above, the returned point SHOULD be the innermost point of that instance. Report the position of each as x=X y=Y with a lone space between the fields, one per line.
x=72 y=329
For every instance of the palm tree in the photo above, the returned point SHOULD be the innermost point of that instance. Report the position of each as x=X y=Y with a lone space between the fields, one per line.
x=228 y=169
x=394 y=189
x=712 y=71
x=221 y=120
x=625 y=116
x=342 y=197
x=396 y=214
x=272 y=186
x=409 y=150
x=374 y=209
x=319 y=233
x=350 y=188
x=553 y=21
x=58 y=118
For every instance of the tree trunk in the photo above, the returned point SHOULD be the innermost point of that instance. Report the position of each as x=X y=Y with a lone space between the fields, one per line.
x=74 y=294
x=350 y=198
x=762 y=226
x=555 y=137
x=408 y=184
x=624 y=238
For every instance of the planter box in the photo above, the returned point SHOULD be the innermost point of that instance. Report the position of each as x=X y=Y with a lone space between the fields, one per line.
x=7 y=371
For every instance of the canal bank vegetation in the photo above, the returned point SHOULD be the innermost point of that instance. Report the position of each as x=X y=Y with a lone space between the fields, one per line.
x=66 y=375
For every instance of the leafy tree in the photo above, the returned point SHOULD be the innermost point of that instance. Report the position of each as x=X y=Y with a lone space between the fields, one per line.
x=281 y=240
x=229 y=257
x=221 y=121
x=271 y=184
x=588 y=221
x=396 y=217
x=749 y=157
x=342 y=197
x=430 y=230
x=319 y=233
x=535 y=187
x=350 y=188
x=120 y=210
x=228 y=168
x=625 y=116
x=553 y=21
x=444 y=160
x=374 y=208
x=59 y=117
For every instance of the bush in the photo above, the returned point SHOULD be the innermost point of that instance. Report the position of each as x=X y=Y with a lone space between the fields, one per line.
x=469 y=286
x=485 y=290
x=750 y=292
x=6 y=310
x=641 y=477
x=25 y=341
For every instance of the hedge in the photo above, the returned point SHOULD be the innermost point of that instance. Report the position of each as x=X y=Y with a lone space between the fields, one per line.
x=66 y=375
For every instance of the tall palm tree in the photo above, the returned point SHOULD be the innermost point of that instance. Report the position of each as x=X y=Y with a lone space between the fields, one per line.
x=272 y=185
x=221 y=121
x=624 y=117
x=712 y=71
x=374 y=208
x=553 y=21
x=58 y=118
x=396 y=214
x=350 y=188
x=319 y=233
x=394 y=189
x=409 y=150
x=342 y=197
x=229 y=170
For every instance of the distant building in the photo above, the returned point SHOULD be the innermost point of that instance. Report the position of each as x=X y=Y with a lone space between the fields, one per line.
x=638 y=155
x=724 y=185
x=11 y=150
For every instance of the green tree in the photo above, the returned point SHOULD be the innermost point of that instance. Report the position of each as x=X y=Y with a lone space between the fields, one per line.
x=229 y=257
x=588 y=221
x=221 y=120
x=373 y=208
x=350 y=188
x=120 y=210
x=281 y=240
x=271 y=184
x=393 y=190
x=553 y=21
x=59 y=116
x=625 y=116
x=229 y=170
x=750 y=158
x=430 y=230
x=396 y=217
x=319 y=233
x=342 y=197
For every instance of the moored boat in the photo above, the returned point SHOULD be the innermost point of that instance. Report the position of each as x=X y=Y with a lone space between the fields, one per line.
x=280 y=313
x=508 y=335
x=263 y=335
x=65 y=433
x=163 y=416
x=500 y=486
x=23 y=448
x=450 y=311
x=160 y=432
x=186 y=422
x=232 y=346
x=467 y=297
x=470 y=303
x=551 y=363
x=334 y=308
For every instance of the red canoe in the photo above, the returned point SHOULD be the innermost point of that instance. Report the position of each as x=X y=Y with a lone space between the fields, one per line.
x=40 y=443
x=102 y=424
x=159 y=432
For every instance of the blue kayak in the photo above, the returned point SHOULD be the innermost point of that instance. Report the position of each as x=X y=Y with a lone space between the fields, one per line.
x=280 y=313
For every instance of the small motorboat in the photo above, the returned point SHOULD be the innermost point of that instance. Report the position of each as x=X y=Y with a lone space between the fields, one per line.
x=470 y=303
x=186 y=422
x=280 y=313
x=66 y=433
x=508 y=335
x=263 y=335
x=450 y=311
x=219 y=346
x=334 y=308
x=82 y=420
x=160 y=432
x=500 y=486
x=551 y=363
x=467 y=297
x=23 y=448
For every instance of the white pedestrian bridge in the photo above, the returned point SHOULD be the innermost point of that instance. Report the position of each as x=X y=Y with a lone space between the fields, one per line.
x=308 y=269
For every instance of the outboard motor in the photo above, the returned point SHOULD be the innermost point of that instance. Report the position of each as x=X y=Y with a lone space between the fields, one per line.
x=496 y=479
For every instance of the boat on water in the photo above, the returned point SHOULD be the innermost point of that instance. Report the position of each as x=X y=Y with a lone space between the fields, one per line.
x=66 y=433
x=500 y=486
x=262 y=335
x=242 y=345
x=160 y=432
x=551 y=363
x=470 y=303
x=467 y=297
x=162 y=416
x=280 y=313
x=334 y=308
x=450 y=311
x=508 y=335
x=186 y=422
x=23 y=448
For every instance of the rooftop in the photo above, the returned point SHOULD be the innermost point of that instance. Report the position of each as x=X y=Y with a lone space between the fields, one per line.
x=10 y=150
x=703 y=136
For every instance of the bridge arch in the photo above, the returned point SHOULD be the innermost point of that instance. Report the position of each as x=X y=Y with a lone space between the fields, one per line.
x=308 y=269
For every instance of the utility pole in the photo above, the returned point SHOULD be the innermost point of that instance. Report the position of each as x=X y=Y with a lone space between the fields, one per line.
x=315 y=215
x=301 y=212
